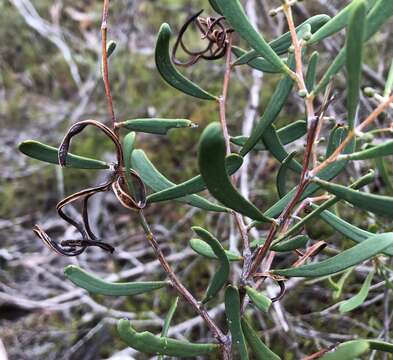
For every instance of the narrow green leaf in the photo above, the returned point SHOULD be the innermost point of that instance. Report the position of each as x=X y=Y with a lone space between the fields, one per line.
x=389 y=82
x=312 y=71
x=283 y=43
x=274 y=107
x=348 y=351
x=282 y=175
x=204 y=249
x=357 y=300
x=169 y=317
x=354 y=58
x=259 y=349
x=221 y=276
x=353 y=349
x=276 y=148
x=378 y=204
x=156 y=126
x=262 y=302
x=355 y=255
x=348 y=230
x=383 y=172
x=372 y=152
x=211 y=158
x=169 y=73
x=380 y=345
x=291 y=244
x=237 y=18
x=167 y=322
x=194 y=185
x=157 y=182
x=215 y=7
x=146 y=342
x=252 y=59
x=378 y=15
x=341 y=282
x=362 y=181
x=328 y=173
x=232 y=310
x=286 y=134
x=95 y=285
x=49 y=154
x=337 y=23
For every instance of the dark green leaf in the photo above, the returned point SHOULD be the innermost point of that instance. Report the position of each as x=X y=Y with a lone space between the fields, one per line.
x=169 y=317
x=156 y=126
x=348 y=351
x=389 y=82
x=194 y=185
x=357 y=300
x=362 y=181
x=282 y=175
x=169 y=73
x=355 y=255
x=147 y=343
x=378 y=15
x=49 y=154
x=211 y=158
x=291 y=244
x=237 y=18
x=337 y=23
x=328 y=173
x=378 y=204
x=95 y=285
x=383 y=172
x=262 y=302
x=312 y=71
x=372 y=152
x=273 y=108
x=215 y=7
x=354 y=58
x=276 y=148
x=204 y=249
x=286 y=134
x=221 y=276
x=252 y=59
x=260 y=350
x=157 y=182
x=167 y=322
x=282 y=44
x=232 y=310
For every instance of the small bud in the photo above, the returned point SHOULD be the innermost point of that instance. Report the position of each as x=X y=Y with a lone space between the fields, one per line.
x=110 y=48
x=273 y=12
x=307 y=36
x=291 y=49
x=302 y=93
x=369 y=91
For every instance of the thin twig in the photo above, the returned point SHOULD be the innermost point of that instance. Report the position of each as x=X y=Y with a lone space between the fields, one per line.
x=370 y=119
x=105 y=75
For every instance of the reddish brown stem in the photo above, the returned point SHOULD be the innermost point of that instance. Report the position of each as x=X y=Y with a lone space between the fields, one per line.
x=105 y=75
